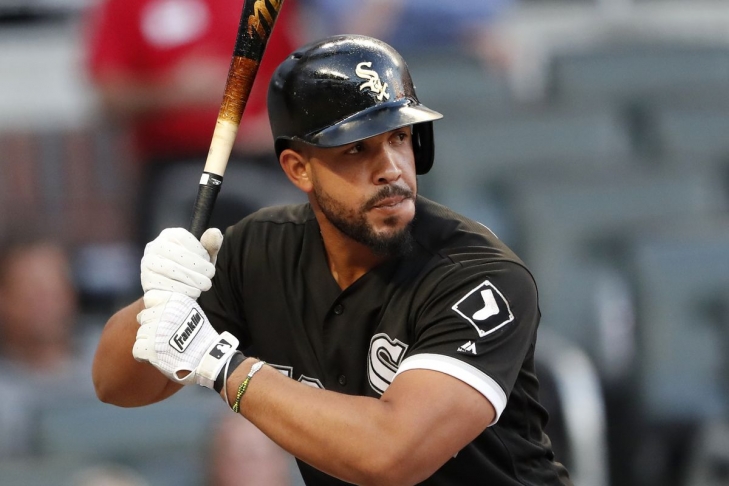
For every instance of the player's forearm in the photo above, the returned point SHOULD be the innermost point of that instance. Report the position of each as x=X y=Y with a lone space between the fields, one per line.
x=357 y=439
x=118 y=378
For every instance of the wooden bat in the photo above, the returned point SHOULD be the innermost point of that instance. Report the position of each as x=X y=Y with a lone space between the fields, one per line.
x=256 y=24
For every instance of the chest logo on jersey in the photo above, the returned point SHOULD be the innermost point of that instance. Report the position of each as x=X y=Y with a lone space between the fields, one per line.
x=383 y=360
x=485 y=308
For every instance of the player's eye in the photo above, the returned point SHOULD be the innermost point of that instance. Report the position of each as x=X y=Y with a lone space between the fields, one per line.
x=400 y=136
x=356 y=148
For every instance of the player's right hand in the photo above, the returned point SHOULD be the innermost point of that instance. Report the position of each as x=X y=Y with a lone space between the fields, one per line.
x=176 y=337
x=176 y=261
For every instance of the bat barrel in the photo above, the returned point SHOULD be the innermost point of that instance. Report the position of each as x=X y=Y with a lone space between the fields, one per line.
x=256 y=24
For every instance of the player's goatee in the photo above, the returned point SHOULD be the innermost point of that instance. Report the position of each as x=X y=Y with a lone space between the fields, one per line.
x=355 y=225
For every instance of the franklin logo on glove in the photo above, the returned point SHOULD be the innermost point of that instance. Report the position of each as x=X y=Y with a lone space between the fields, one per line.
x=186 y=332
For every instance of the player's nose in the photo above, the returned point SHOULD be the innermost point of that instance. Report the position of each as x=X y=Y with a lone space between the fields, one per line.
x=388 y=168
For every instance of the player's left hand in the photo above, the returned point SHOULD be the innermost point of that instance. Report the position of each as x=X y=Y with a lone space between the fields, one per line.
x=176 y=337
x=176 y=261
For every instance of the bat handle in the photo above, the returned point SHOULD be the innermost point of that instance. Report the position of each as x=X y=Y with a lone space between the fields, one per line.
x=207 y=193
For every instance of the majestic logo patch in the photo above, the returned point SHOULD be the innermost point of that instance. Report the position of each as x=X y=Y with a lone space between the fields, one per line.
x=467 y=348
x=181 y=339
x=220 y=349
x=373 y=81
x=485 y=308
x=383 y=360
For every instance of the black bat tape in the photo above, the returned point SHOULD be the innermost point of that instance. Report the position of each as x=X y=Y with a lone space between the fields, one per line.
x=207 y=193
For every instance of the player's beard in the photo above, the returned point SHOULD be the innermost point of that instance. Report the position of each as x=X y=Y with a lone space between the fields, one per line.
x=354 y=224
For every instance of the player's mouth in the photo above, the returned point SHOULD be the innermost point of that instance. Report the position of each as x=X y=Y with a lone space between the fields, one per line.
x=394 y=206
x=390 y=198
x=390 y=202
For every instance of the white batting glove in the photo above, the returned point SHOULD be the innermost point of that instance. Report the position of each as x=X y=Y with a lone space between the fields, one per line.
x=176 y=337
x=177 y=262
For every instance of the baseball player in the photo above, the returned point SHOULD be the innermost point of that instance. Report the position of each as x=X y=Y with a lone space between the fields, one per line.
x=377 y=336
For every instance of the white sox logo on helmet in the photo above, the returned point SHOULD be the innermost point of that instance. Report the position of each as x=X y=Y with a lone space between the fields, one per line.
x=373 y=81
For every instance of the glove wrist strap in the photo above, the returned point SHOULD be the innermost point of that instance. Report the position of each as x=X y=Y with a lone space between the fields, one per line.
x=215 y=359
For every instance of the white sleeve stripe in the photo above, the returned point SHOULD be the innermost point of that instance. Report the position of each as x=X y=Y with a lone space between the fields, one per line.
x=460 y=370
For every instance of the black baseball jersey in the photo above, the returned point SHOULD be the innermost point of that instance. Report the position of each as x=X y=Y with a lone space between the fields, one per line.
x=461 y=303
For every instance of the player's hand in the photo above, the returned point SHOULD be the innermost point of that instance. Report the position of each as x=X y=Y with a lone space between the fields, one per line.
x=176 y=337
x=177 y=262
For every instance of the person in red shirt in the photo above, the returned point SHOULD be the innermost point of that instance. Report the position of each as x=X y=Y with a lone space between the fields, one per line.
x=160 y=67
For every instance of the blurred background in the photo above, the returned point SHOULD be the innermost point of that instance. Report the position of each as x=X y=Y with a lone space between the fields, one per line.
x=590 y=135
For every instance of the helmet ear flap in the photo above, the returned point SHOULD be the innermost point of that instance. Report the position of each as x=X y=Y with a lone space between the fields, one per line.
x=423 y=147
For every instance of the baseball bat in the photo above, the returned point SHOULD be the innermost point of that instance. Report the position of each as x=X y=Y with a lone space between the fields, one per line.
x=256 y=24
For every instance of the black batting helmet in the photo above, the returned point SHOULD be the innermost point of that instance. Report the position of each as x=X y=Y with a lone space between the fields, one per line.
x=343 y=89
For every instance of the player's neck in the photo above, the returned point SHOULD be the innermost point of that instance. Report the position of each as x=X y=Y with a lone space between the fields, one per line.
x=348 y=260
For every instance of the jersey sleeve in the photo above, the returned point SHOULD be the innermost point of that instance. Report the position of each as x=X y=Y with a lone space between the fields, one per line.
x=223 y=303
x=477 y=323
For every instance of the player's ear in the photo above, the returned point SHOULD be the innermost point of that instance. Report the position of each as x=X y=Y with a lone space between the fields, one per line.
x=296 y=168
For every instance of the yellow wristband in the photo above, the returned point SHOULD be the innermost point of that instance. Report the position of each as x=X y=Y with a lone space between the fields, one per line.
x=244 y=386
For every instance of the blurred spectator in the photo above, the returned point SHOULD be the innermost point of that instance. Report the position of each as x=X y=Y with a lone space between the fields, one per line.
x=43 y=353
x=160 y=67
x=108 y=475
x=241 y=455
x=416 y=25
